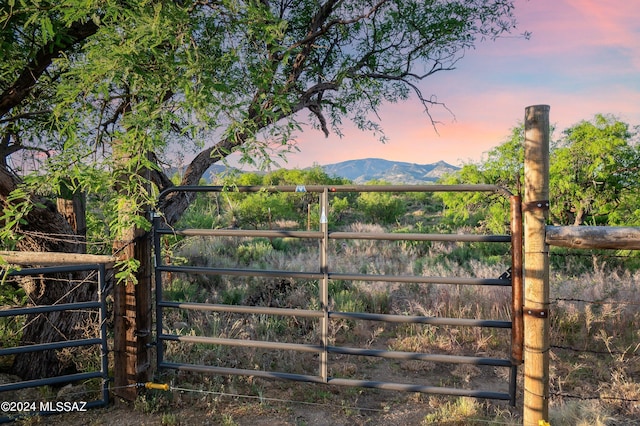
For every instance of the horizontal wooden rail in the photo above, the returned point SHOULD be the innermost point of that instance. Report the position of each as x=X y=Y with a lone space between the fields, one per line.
x=51 y=258
x=594 y=237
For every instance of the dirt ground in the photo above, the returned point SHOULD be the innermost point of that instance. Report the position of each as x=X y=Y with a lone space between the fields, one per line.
x=395 y=410
x=239 y=414
x=274 y=402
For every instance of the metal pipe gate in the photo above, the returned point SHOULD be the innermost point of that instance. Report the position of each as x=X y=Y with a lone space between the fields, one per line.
x=324 y=275
x=100 y=339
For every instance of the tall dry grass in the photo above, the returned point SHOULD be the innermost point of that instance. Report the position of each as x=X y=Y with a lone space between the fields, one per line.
x=595 y=322
x=595 y=338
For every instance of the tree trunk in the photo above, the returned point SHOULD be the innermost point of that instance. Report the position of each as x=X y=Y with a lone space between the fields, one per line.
x=74 y=210
x=579 y=217
x=47 y=230
x=175 y=203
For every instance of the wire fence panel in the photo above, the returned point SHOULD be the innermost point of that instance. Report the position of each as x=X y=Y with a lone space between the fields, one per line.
x=79 y=353
x=595 y=318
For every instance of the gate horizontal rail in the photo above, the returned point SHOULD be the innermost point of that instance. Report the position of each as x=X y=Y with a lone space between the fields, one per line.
x=48 y=346
x=454 y=359
x=323 y=275
x=337 y=235
x=402 y=387
x=69 y=378
x=407 y=319
x=335 y=276
x=11 y=312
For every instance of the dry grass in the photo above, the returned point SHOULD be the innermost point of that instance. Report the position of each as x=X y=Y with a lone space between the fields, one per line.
x=595 y=365
x=595 y=337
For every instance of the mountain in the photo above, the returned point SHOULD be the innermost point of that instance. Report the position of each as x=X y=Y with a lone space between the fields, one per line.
x=395 y=172
x=362 y=171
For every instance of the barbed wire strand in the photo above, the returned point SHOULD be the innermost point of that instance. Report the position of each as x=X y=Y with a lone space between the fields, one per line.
x=227 y=394
x=590 y=398
x=74 y=239
x=594 y=302
x=584 y=253
x=581 y=350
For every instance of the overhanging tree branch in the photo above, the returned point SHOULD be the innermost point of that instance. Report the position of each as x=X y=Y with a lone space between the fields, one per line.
x=16 y=93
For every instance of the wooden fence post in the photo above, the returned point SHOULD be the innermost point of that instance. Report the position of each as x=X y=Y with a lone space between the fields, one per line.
x=132 y=303
x=132 y=312
x=536 y=266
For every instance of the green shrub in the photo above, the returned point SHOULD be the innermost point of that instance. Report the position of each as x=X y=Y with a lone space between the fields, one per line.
x=381 y=207
x=253 y=251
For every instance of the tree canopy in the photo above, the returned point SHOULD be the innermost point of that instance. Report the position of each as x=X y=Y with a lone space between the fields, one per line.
x=100 y=94
x=594 y=166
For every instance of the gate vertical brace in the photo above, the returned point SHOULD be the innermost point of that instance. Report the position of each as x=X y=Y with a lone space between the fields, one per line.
x=104 y=348
x=517 y=326
x=324 y=285
x=157 y=250
x=536 y=266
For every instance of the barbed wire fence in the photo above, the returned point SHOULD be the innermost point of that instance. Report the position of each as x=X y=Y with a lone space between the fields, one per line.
x=595 y=330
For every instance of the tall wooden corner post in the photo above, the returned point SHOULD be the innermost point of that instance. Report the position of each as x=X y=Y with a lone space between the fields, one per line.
x=536 y=266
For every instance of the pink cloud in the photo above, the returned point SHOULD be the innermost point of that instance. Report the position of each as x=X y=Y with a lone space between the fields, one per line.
x=611 y=23
x=582 y=59
x=572 y=26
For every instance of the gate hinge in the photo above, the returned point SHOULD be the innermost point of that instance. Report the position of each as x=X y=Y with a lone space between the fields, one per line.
x=142 y=333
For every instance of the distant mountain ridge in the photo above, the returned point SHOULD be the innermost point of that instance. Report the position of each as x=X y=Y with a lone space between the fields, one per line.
x=395 y=172
x=364 y=170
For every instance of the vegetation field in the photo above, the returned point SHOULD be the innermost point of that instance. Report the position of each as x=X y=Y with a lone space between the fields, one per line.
x=594 y=324
x=595 y=365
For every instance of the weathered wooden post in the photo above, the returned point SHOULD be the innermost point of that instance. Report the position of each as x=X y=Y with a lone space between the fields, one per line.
x=536 y=266
x=132 y=317
x=72 y=204
x=132 y=305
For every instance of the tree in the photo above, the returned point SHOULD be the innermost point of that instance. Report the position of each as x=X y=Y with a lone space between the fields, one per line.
x=380 y=207
x=104 y=91
x=593 y=177
x=232 y=74
x=594 y=170
x=504 y=166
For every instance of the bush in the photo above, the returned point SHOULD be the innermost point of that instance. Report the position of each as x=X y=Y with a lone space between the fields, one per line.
x=380 y=207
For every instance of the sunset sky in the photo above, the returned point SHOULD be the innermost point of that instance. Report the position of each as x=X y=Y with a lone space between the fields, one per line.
x=583 y=58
